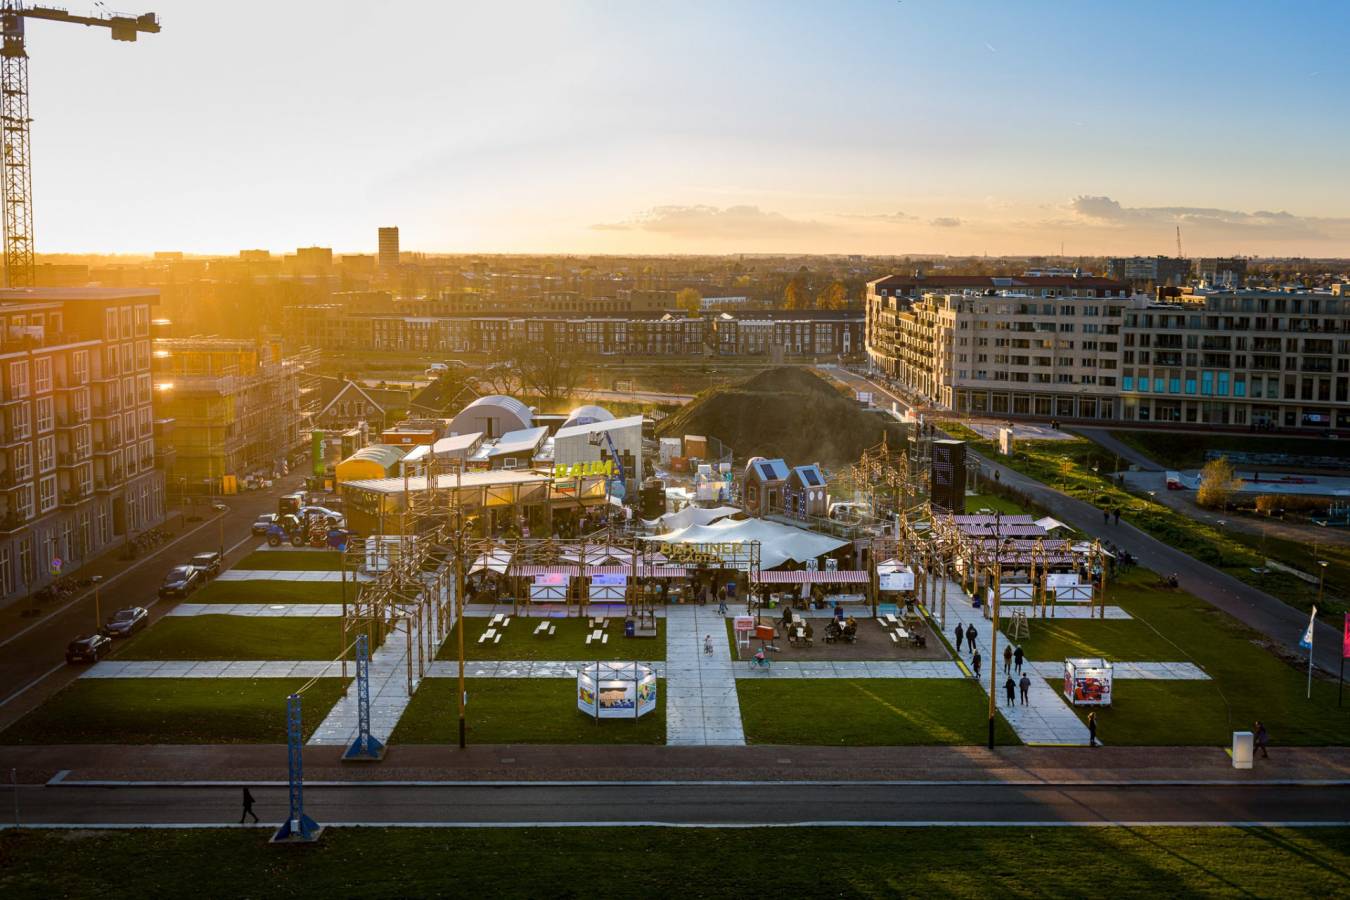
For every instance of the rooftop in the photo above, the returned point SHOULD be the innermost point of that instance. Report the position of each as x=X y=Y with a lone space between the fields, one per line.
x=72 y=294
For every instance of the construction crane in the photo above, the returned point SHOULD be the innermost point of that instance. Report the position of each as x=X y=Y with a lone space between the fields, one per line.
x=616 y=485
x=16 y=151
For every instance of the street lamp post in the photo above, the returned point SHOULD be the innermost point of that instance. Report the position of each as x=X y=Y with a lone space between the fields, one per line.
x=993 y=648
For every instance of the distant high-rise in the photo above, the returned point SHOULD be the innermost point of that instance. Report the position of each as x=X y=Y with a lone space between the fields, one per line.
x=389 y=247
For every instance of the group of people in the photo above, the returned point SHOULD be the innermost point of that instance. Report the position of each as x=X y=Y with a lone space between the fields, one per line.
x=1013 y=658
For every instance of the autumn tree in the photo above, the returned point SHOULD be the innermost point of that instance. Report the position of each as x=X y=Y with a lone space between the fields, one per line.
x=833 y=297
x=797 y=294
x=1218 y=484
x=689 y=300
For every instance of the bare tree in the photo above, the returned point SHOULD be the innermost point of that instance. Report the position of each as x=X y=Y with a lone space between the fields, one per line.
x=550 y=370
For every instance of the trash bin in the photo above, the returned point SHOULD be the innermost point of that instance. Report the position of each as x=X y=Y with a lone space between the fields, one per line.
x=629 y=628
x=1244 y=749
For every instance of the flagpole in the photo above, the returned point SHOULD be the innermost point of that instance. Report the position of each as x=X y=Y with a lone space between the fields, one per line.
x=1308 y=642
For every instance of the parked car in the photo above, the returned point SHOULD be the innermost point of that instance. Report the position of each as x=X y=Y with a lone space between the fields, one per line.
x=332 y=518
x=207 y=563
x=264 y=522
x=88 y=648
x=181 y=581
x=126 y=622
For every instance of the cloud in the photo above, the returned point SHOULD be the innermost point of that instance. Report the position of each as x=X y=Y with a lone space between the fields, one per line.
x=1207 y=222
x=739 y=222
x=945 y=222
x=896 y=217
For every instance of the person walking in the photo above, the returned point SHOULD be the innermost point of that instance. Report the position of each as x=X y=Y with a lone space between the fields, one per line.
x=970 y=636
x=1007 y=658
x=722 y=601
x=1010 y=688
x=975 y=663
x=1117 y=515
x=960 y=636
x=1092 y=729
x=1025 y=685
x=248 y=808
x=707 y=644
x=1262 y=738
x=1106 y=517
x=1018 y=656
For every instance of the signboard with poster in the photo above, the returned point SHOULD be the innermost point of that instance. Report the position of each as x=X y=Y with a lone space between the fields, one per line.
x=1087 y=682
x=616 y=690
x=743 y=627
x=549 y=588
x=608 y=588
x=895 y=580
x=947 y=475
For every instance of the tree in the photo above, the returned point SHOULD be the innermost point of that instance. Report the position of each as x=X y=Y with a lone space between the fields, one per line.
x=551 y=370
x=833 y=297
x=689 y=300
x=1218 y=483
x=797 y=295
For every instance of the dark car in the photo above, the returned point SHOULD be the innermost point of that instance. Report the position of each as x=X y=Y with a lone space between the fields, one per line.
x=207 y=563
x=181 y=581
x=89 y=648
x=264 y=522
x=126 y=622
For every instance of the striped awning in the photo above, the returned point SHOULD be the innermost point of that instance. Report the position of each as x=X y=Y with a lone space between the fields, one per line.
x=533 y=570
x=845 y=577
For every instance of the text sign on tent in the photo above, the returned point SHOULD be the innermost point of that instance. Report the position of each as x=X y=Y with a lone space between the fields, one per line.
x=1061 y=579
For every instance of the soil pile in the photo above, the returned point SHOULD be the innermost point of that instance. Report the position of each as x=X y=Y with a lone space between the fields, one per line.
x=785 y=412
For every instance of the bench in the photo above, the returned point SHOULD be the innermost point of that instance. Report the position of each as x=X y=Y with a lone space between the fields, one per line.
x=505 y=622
x=604 y=639
x=894 y=640
x=588 y=640
x=552 y=630
x=497 y=639
x=482 y=637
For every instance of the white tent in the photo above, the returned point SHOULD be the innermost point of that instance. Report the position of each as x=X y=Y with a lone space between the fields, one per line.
x=691 y=515
x=1050 y=524
x=777 y=543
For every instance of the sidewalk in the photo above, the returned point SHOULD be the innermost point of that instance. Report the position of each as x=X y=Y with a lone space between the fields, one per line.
x=253 y=763
x=702 y=707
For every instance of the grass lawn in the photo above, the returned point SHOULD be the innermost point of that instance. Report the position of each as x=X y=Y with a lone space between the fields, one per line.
x=265 y=591
x=1163 y=713
x=292 y=560
x=552 y=862
x=1187 y=451
x=1113 y=639
x=237 y=637
x=173 y=711
x=520 y=711
x=568 y=643
x=998 y=504
x=1249 y=681
x=867 y=711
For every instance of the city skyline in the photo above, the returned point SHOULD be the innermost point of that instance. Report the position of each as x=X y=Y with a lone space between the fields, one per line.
x=865 y=128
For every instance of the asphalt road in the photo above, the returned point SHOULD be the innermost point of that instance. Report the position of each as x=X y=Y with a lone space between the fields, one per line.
x=32 y=653
x=698 y=803
x=1253 y=607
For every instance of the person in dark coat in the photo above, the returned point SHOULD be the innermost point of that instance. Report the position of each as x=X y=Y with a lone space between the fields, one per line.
x=970 y=637
x=1010 y=688
x=1018 y=656
x=975 y=662
x=248 y=808
x=1117 y=515
x=1025 y=685
x=1092 y=729
x=960 y=636
x=1007 y=658
x=1261 y=739
x=1106 y=517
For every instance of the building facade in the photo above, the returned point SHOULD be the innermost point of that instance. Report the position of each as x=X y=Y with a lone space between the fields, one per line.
x=388 y=245
x=81 y=471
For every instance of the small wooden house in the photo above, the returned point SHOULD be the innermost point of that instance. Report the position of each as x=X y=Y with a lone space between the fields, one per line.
x=805 y=495
x=765 y=483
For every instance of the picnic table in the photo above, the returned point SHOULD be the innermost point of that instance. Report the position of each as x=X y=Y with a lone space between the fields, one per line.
x=497 y=619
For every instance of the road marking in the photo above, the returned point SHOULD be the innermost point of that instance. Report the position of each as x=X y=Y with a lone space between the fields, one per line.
x=43 y=677
x=656 y=823
x=103 y=585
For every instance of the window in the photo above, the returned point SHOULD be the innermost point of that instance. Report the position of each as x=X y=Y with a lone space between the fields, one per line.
x=47 y=493
x=143 y=388
x=110 y=324
x=23 y=462
x=26 y=503
x=46 y=453
x=18 y=380
x=6 y=571
x=42 y=374
x=79 y=366
x=46 y=414
x=21 y=421
x=142 y=321
x=126 y=322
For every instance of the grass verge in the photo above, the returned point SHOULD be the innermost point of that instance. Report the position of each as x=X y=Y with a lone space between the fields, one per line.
x=867 y=712
x=520 y=711
x=237 y=637
x=648 y=862
x=172 y=711
x=266 y=591
x=567 y=643
x=1187 y=451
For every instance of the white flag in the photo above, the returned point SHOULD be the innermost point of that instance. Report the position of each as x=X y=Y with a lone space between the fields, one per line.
x=1308 y=635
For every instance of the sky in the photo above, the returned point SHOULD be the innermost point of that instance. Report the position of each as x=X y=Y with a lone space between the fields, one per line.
x=919 y=126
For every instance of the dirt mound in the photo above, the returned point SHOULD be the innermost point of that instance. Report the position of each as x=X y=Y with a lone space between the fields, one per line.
x=784 y=412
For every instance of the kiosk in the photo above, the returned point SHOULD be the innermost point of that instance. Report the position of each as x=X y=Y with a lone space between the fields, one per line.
x=616 y=690
x=1087 y=682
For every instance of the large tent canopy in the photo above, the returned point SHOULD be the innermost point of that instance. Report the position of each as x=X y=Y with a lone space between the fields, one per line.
x=778 y=544
x=691 y=515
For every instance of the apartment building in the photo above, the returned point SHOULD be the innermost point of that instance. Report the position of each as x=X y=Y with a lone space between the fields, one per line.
x=1010 y=353
x=78 y=464
x=1265 y=359
x=235 y=406
x=1141 y=271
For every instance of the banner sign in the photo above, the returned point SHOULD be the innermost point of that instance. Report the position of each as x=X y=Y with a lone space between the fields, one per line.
x=1345 y=639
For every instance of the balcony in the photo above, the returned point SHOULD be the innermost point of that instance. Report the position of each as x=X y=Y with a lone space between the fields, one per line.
x=75 y=496
x=13 y=521
x=69 y=459
x=104 y=448
x=72 y=420
x=165 y=456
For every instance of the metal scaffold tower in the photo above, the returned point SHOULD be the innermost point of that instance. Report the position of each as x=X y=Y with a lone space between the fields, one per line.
x=16 y=174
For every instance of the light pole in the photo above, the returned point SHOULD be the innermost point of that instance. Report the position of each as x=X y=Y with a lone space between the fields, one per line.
x=993 y=646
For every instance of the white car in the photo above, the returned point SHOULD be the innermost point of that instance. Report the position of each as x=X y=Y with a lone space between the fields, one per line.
x=331 y=517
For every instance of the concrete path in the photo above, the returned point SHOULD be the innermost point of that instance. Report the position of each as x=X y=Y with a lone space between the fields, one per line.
x=907 y=668
x=389 y=696
x=701 y=703
x=1046 y=718
x=155 y=668
x=1143 y=671
x=446 y=668
x=280 y=610
x=1061 y=611
x=286 y=575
